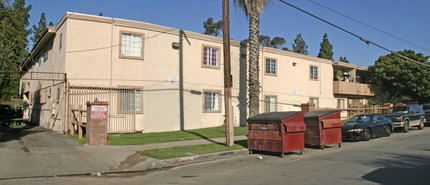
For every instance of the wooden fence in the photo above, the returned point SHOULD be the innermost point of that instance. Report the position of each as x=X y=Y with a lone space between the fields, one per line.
x=122 y=110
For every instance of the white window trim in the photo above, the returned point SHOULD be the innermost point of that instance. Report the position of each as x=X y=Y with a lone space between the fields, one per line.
x=121 y=46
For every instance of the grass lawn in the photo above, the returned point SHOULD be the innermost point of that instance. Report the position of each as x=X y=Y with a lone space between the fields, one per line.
x=80 y=141
x=183 y=151
x=147 y=138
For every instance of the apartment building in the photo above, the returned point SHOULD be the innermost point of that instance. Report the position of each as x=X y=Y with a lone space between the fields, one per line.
x=135 y=67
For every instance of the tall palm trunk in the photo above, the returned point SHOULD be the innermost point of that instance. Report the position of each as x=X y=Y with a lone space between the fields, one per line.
x=253 y=73
x=253 y=9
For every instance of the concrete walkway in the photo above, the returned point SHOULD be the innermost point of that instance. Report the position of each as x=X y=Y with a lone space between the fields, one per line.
x=38 y=152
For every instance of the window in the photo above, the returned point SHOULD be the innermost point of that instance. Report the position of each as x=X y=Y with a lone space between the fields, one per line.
x=314 y=73
x=270 y=103
x=130 y=100
x=39 y=61
x=314 y=101
x=270 y=66
x=212 y=101
x=210 y=57
x=45 y=55
x=131 y=46
x=58 y=94
x=341 y=103
x=61 y=41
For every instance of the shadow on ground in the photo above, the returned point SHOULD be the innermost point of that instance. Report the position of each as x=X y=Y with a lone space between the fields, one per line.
x=10 y=134
x=401 y=169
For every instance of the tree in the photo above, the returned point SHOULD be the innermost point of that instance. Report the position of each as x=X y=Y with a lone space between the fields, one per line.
x=39 y=29
x=398 y=78
x=299 y=45
x=13 y=43
x=253 y=9
x=343 y=59
x=264 y=40
x=211 y=27
x=326 y=50
x=277 y=42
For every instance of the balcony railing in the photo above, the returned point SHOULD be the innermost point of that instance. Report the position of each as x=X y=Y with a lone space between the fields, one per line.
x=352 y=88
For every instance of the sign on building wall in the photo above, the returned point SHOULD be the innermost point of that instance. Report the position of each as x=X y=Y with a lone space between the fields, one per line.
x=173 y=80
x=99 y=111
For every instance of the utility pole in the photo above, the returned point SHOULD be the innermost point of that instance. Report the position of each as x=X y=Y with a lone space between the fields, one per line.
x=229 y=126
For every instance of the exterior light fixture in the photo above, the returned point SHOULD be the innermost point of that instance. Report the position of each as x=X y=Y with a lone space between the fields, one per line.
x=176 y=45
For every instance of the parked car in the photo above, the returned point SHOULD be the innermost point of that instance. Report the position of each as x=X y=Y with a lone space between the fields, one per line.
x=6 y=113
x=426 y=108
x=406 y=116
x=367 y=126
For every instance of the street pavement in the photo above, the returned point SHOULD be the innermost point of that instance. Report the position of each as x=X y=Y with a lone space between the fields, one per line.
x=403 y=158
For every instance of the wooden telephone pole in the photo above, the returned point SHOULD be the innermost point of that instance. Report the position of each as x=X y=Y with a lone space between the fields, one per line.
x=229 y=126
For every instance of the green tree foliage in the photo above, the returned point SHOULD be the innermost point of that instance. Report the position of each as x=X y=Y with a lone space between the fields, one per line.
x=326 y=50
x=264 y=40
x=13 y=43
x=211 y=27
x=39 y=29
x=277 y=42
x=343 y=59
x=253 y=9
x=299 y=45
x=398 y=78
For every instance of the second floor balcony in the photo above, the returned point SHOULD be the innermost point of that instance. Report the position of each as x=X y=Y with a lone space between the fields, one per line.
x=352 y=88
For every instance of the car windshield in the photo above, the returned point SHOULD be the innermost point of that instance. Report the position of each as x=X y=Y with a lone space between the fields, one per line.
x=361 y=118
x=426 y=107
x=398 y=110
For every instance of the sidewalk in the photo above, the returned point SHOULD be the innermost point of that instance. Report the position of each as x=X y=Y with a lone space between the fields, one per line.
x=38 y=152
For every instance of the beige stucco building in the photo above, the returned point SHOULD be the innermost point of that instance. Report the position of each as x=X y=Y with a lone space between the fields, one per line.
x=133 y=66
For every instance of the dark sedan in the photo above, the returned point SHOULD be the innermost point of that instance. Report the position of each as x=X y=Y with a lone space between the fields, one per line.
x=367 y=126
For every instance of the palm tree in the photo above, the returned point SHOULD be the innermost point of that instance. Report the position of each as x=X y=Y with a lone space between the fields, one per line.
x=253 y=9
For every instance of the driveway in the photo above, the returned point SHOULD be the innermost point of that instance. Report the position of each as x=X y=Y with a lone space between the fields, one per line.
x=38 y=152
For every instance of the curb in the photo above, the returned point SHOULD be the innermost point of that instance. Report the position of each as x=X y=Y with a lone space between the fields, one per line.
x=151 y=163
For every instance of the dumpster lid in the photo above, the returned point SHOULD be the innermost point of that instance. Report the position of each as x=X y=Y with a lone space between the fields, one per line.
x=320 y=113
x=273 y=116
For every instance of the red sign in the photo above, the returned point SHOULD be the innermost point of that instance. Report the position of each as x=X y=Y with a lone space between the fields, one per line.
x=99 y=111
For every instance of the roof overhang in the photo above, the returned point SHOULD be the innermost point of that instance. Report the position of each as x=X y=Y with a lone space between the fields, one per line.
x=38 y=47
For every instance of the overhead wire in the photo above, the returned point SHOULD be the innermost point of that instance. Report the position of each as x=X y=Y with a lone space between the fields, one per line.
x=374 y=28
x=355 y=35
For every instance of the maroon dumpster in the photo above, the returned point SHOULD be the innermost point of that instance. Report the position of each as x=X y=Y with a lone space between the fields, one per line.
x=278 y=132
x=323 y=128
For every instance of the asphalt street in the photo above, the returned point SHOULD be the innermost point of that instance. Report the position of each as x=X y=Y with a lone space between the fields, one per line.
x=402 y=158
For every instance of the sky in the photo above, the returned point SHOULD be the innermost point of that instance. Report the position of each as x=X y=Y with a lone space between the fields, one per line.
x=407 y=20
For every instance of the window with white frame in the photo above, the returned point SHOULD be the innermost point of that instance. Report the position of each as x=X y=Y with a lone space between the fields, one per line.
x=131 y=45
x=211 y=101
x=314 y=101
x=271 y=66
x=314 y=73
x=210 y=56
x=130 y=100
x=341 y=103
x=270 y=103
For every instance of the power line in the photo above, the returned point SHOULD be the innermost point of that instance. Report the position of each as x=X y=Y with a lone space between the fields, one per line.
x=384 y=32
x=355 y=35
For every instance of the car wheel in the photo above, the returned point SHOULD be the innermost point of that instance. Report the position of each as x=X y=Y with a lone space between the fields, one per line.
x=406 y=126
x=387 y=131
x=367 y=134
x=322 y=147
x=421 y=126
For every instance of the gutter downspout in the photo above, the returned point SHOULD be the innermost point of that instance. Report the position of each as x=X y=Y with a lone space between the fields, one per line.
x=110 y=78
x=181 y=81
